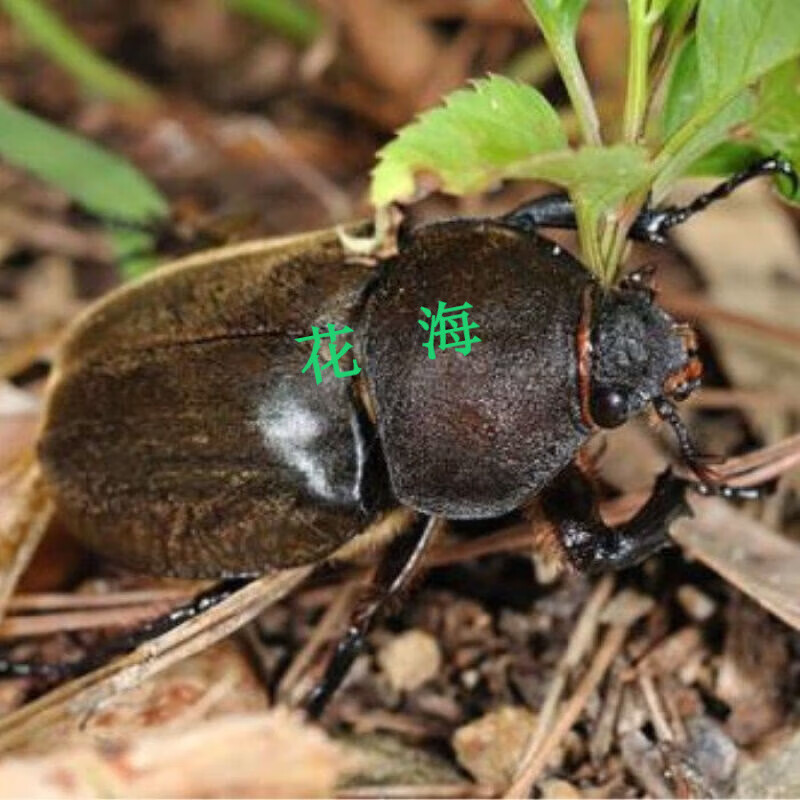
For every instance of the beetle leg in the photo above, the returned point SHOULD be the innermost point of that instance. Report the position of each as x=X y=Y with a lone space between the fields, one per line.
x=398 y=564
x=57 y=671
x=652 y=224
x=708 y=483
x=592 y=546
x=549 y=211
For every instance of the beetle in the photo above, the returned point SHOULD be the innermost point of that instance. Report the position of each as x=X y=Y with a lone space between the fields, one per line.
x=180 y=436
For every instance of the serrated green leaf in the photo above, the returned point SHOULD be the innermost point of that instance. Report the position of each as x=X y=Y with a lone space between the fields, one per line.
x=101 y=182
x=773 y=126
x=684 y=97
x=703 y=139
x=470 y=143
x=598 y=179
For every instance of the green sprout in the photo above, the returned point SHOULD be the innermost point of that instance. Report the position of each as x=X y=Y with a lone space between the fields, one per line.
x=712 y=85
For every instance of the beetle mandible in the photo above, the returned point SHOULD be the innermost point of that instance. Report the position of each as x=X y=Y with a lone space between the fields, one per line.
x=181 y=438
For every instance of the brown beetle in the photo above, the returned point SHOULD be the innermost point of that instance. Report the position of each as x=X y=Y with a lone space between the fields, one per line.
x=181 y=438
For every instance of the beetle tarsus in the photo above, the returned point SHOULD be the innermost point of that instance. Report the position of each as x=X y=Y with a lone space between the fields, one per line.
x=396 y=568
x=57 y=672
x=589 y=544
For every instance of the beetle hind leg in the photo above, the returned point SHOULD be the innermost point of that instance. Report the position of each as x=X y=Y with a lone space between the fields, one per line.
x=398 y=564
x=590 y=545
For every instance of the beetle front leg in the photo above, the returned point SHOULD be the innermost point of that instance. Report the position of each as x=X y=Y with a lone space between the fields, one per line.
x=398 y=564
x=549 y=211
x=590 y=545
x=652 y=224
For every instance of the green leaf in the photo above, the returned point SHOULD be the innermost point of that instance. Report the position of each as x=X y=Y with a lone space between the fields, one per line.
x=677 y=15
x=472 y=142
x=773 y=127
x=599 y=178
x=684 y=98
x=726 y=159
x=48 y=32
x=101 y=182
x=291 y=18
x=776 y=123
x=738 y=43
x=683 y=92
x=703 y=139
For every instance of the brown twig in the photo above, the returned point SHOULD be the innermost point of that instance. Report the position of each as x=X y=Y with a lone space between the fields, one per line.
x=535 y=764
x=53 y=601
x=583 y=635
x=690 y=306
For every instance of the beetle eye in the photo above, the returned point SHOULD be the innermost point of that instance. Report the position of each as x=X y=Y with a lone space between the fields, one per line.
x=609 y=408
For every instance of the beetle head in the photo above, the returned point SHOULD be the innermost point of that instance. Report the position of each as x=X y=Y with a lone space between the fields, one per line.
x=638 y=353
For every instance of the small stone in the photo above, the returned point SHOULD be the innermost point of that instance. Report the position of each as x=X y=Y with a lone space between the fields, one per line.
x=554 y=789
x=697 y=605
x=491 y=747
x=410 y=659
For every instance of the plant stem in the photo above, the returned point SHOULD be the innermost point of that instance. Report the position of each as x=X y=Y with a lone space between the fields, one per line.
x=614 y=236
x=580 y=95
x=677 y=153
x=638 y=55
x=589 y=235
